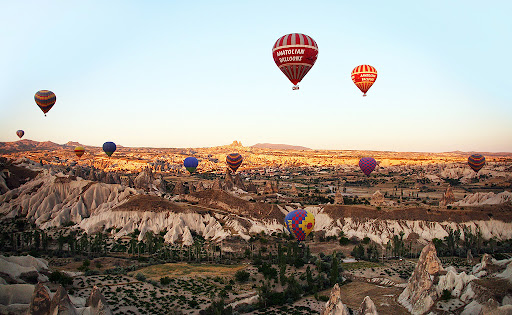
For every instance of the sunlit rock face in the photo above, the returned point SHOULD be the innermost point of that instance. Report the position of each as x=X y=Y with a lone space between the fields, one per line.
x=420 y=293
x=448 y=197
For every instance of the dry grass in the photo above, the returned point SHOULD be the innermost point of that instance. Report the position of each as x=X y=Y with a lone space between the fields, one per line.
x=190 y=270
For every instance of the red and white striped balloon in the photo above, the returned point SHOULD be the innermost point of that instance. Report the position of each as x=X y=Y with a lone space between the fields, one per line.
x=364 y=76
x=295 y=54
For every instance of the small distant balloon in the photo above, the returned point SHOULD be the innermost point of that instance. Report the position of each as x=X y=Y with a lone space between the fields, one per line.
x=109 y=148
x=367 y=165
x=191 y=164
x=476 y=162
x=363 y=77
x=300 y=223
x=234 y=161
x=79 y=151
x=45 y=100
x=20 y=133
x=295 y=54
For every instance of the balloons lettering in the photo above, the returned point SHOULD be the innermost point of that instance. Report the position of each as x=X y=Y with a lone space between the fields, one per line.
x=364 y=76
x=295 y=54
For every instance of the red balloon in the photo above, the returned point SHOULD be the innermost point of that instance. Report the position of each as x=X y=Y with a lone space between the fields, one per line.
x=295 y=54
x=363 y=77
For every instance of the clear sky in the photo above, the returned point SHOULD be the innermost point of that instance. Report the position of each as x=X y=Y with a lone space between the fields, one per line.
x=201 y=73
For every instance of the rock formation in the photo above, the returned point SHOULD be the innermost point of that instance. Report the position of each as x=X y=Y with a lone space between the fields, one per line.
x=447 y=198
x=252 y=188
x=294 y=190
x=40 y=302
x=191 y=188
x=338 y=198
x=368 y=307
x=335 y=306
x=228 y=181
x=270 y=187
x=126 y=181
x=217 y=184
x=377 y=199
x=179 y=189
x=97 y=304
x=469 y=257
x=420 y=293
x=200 y=186
x=238 y=182
x=61 y=304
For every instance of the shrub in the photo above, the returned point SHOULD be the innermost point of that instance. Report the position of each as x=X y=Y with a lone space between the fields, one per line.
x=447 y=295
x=165 y=281
x=242 y=276
x=140 y=277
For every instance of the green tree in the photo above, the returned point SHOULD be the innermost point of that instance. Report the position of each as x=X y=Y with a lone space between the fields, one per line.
x=334 y=270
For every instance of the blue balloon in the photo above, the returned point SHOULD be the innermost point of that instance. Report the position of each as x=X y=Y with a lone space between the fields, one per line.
x=109 y=148
x=191 y=164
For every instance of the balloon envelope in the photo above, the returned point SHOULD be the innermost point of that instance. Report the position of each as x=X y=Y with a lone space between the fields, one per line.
x=234 y=161
x=45 y=100
x=109 y=148
x=191 y=164
x=20 y=133
x=295 y=54
x=367 y=165
x=300 y=223
x=79 y=151
x=476 y=162
x=363 y=77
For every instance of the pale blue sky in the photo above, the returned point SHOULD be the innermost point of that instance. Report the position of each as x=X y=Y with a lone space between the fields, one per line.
x=201 y=73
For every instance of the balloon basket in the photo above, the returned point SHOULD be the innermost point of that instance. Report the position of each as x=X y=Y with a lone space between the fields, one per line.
x=295 y=87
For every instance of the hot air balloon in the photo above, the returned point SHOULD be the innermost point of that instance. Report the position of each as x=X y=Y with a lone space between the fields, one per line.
x=45 y=100
x=367 y=165
x=191 y=164
x=300 y=223
x=476 y=162
x=234 y=161
x=79 y=151
x=20 y=133
x=364 y=76
x=295 y=54
x=109 y=148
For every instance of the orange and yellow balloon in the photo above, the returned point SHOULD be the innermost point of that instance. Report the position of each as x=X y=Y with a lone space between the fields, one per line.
x=363 y=77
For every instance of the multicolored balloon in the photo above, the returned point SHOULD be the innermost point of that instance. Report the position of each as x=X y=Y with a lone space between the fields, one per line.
x=79 y=151
x=234 y=161
x=109 y=148
x=476 y=162
x=300 y=223
x=295 y=54
x=367 y=165
x=191 y=164
x=45 y=100
x=364 y=76
x=20 y=133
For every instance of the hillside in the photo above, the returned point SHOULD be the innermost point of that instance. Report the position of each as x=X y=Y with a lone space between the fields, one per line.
x=273 y=146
